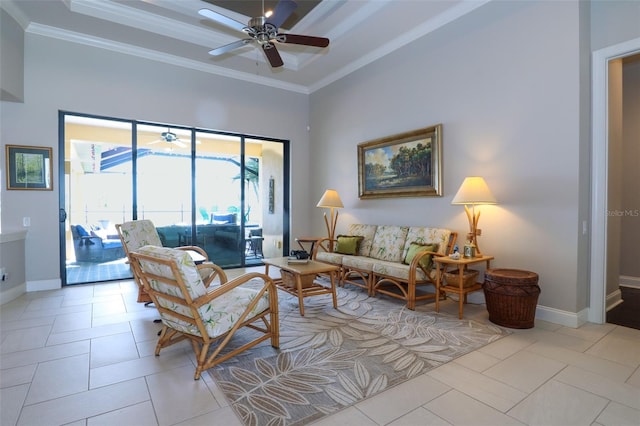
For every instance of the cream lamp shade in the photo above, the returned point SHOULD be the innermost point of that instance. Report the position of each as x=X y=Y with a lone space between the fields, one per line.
x=331 y=200
x=474 y=190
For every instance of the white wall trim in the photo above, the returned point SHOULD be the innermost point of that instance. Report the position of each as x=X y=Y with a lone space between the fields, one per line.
x=12 y=293
x=627 y=281
x=557 y=316
x=613 y=300
x=599 y=159
x=43 y=285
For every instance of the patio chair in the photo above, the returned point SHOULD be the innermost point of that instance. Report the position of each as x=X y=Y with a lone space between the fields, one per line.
x=138 y=233
x=190 y=310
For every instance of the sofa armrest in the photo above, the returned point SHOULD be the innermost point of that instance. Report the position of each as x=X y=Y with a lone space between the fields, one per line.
x=323 y=244
x=415 y=262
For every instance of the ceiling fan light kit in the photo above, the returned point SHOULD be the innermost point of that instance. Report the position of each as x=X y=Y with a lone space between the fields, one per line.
x=264 y=31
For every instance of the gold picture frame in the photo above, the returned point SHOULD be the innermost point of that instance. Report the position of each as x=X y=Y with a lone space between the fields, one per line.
x=29 y=167
x=404 y=165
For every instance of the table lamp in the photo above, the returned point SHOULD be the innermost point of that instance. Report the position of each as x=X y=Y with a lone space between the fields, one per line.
x=331 y=200
x=474 y=190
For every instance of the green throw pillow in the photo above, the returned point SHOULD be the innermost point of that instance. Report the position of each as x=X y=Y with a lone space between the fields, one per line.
x=416 y=248
x=348 y=244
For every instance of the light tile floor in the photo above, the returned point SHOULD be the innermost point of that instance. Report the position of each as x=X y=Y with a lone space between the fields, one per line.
x=83 y=356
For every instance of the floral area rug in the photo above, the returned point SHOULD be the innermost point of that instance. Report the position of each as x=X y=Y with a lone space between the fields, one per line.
x=333 y=358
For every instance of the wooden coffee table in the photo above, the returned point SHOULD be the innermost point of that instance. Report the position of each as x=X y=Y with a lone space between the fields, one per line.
x=304 y=270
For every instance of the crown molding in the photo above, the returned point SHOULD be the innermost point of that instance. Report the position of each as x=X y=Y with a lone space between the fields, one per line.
x=127 y=49
x=425 y=28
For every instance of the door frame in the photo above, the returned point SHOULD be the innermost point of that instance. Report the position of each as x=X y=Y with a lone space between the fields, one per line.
x=599 y=173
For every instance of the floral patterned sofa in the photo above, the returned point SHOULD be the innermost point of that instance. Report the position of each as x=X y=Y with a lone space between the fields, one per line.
x=388 y=259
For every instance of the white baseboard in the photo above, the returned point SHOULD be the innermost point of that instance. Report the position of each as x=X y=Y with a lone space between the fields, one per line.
x=565 y=318
x=613 y=300
x=626 y=281
x=12 y=293
x=43 y=285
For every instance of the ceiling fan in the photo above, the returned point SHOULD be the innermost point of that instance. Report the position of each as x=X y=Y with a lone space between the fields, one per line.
x=264 y=31
x=170 y=138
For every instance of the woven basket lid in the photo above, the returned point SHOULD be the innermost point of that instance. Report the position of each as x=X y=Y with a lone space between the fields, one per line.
x=511 y=276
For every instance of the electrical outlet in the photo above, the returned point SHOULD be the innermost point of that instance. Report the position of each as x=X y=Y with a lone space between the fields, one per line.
x=26 y=221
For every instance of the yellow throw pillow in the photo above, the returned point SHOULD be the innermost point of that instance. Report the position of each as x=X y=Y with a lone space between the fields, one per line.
x=416 y=248
x=348 y=244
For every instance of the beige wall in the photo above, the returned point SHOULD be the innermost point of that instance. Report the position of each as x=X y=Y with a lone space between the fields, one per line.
x=508 y=96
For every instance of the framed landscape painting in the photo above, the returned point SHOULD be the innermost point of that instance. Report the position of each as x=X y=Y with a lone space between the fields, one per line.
x=404 y=165
x=29 y=167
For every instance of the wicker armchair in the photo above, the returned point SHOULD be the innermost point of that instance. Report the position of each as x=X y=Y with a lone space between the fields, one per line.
x=139 y=233
x=190 y=310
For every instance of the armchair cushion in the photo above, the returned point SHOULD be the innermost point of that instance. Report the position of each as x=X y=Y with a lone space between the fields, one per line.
x=219 y=315
x=139 y=233
x=204 y=316
x=348 y=244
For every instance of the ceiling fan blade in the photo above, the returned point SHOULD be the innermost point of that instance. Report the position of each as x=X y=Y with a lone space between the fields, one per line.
x=283 y=10
x=303 y=39
x=221 y=19
x=272 y=55
x=155 y=142
x=180 y=144
x=228 y=47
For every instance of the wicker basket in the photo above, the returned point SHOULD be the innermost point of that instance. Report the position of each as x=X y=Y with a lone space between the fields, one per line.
x=511 y=296
x=289 y=279
x=452 y=278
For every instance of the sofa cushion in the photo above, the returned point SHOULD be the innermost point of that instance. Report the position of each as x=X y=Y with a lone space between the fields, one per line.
x=348 y=244
x=326 y=257
x=389 y=242
x=397 y=270
x=415 y=248
x=367 y=233
x=363 y=263
x=426 y=235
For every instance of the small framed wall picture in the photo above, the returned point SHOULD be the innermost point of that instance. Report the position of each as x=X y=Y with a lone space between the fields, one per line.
x=29 y=167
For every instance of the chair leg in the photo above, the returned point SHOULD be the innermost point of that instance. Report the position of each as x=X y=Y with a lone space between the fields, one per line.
x=201 y=357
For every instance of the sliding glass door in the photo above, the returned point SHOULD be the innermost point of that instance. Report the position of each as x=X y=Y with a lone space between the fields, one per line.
x=97 y=194
x=223 y=192
x=163 y=181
